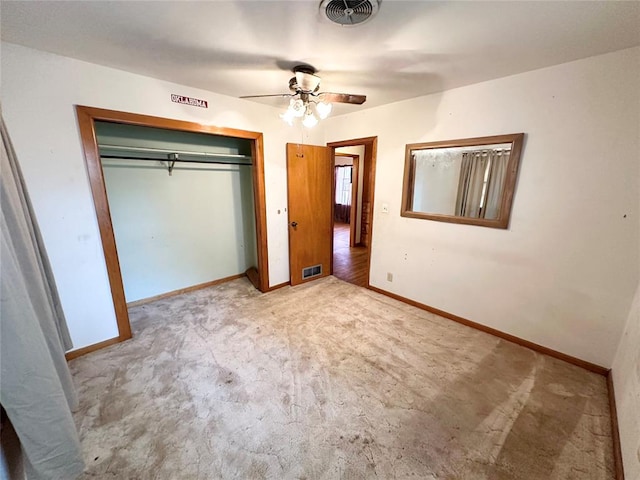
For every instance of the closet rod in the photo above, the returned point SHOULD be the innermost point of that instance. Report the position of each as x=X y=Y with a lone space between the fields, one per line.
x=217 y=162
x=169 y=152
x=172 y=161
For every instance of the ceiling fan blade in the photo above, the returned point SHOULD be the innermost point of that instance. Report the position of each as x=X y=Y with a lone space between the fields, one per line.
x=265 y=96
x=342 y=98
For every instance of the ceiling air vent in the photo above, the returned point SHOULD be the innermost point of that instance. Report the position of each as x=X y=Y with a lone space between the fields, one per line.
x=349 y=12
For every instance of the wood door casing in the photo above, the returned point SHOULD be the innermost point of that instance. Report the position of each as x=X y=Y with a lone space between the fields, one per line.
x=353 y=221
x=368 y=188
x=87 y=116
x=310 y=204
x=365 y=224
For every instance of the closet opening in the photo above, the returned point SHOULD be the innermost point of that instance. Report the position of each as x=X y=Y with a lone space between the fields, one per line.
x=179 y=205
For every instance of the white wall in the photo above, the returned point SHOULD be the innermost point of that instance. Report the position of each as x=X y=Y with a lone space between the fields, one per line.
x=563 y=275
x=626 y=381
x=175 y=231
x=39 y=91
x=344 y=161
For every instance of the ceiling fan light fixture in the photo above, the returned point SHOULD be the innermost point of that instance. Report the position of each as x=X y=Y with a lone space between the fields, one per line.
x=297 y=107
x=307 y=82
x=310 y=119
x=288 y=117
x=323 y=109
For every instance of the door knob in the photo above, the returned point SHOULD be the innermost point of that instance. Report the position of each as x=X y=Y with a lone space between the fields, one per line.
x=294 y=224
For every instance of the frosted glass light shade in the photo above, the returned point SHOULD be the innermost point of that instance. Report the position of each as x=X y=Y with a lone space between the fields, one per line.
x=288 y=117
x=307 y=82
x=297 y=106
x=323 y=109
x=310 y=120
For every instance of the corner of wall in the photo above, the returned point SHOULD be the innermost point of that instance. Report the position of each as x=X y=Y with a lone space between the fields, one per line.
x=625 y=376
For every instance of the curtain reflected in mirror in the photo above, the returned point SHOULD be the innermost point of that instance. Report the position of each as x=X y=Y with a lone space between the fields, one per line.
x=462 y=181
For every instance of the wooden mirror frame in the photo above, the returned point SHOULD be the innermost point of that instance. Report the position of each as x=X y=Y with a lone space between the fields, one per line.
x=516 y=140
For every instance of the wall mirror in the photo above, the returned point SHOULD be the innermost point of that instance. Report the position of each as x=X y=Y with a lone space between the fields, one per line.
x=468 y=181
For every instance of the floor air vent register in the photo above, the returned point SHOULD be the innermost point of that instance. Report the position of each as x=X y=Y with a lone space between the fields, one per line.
x=309 y=272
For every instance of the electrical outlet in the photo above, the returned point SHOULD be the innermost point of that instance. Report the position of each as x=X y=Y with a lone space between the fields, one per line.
x=389 y=277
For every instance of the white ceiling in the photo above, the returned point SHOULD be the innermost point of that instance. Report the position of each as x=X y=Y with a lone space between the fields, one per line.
x=239 y=47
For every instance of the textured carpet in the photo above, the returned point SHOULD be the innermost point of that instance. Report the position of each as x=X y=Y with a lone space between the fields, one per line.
x=331 y=381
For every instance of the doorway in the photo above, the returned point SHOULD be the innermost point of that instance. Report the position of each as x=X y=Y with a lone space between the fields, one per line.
x=87 y=119
x=354 y=166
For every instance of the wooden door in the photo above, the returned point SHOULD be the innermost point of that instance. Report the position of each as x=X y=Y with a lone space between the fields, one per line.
x=309 y=196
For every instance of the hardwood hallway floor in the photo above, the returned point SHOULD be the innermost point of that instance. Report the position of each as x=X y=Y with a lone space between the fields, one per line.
x=349 y=264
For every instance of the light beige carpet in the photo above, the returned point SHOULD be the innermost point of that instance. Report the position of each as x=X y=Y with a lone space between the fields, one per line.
x=331 y=381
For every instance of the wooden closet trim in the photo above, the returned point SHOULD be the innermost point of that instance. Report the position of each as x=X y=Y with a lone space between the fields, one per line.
x=87 y=116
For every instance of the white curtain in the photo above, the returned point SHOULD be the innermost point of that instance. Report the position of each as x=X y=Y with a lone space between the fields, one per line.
x=36 y=389
x=343 y=184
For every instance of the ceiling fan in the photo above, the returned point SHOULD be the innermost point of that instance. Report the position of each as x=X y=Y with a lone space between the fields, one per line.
x=306 y=98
